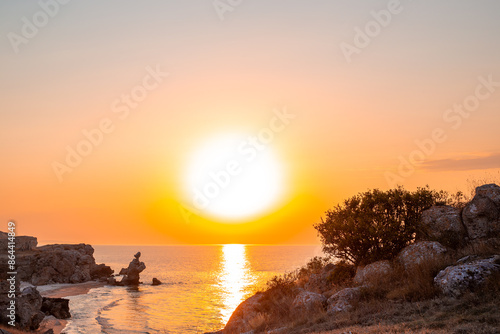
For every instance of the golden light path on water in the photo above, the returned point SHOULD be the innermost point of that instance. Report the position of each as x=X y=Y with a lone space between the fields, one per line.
x=234 y=279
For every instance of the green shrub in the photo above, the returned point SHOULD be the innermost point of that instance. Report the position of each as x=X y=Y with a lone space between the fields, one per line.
x=375 y=225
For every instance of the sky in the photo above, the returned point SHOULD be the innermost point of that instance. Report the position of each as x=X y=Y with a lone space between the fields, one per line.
x=115 y=114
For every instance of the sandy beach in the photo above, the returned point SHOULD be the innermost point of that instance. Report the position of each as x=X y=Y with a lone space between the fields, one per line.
x=63 y=291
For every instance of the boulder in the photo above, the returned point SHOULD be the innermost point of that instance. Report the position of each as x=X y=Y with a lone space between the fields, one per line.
x=420 y=252
x=58 y=307
x=308 y=301
x=343 y=300
x=454 y=281
x=374 y=273
x=123 y=271
x=156 y=281
x=444 y=225
x=243 y=316
x=481 y=216
x=28 y=305
x=134 y=269
x=100 y=271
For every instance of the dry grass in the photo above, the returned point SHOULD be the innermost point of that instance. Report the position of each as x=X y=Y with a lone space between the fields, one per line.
x=405 y=302
x=487 y=178
x=473 y=314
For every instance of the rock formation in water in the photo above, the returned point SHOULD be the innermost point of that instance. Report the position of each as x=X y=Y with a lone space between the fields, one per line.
x=135 y=267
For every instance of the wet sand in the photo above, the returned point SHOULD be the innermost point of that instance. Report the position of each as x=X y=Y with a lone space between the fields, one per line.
x=65 y=290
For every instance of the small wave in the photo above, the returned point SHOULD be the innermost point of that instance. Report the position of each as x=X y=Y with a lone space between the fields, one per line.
x=105 y=324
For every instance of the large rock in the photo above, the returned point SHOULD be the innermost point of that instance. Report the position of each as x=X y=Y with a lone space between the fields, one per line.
x=244 y=315
x=481 y=216
x=343 y=300
x=58 y=307
x=134 y=269
x=28 y=309
x=59 y=264
x=420 y=252
x=444 y=225
x=374 y=273
x=455 y=280
x=100 y=271
x=308 y=301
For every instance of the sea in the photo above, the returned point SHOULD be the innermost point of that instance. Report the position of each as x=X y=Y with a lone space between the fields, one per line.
x=202 y=285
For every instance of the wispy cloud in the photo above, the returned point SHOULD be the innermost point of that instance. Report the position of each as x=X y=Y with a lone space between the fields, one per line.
x=464 y=163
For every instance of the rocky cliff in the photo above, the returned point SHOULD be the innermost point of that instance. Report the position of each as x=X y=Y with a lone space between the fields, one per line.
x=59 y=264
x=39 y=266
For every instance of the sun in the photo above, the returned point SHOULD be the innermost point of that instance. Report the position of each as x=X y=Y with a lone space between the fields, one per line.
x=233 y=177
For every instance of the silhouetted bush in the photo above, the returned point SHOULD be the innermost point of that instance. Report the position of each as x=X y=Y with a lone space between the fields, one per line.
x=375 y=225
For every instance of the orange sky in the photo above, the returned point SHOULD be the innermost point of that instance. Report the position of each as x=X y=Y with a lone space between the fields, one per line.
x=430 y=75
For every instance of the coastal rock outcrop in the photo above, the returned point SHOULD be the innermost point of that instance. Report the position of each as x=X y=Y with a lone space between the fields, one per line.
x=420 y=252
x=156 y=281
x=343 y=300
x=444 y=225
x=373 y=273
x=100 y=271
x=58 y=307
x=28 y=309
x=60 y=264
x=244 y=315
x=454 y=281
x=135 y=267
x=308 y=301
x=481 y=216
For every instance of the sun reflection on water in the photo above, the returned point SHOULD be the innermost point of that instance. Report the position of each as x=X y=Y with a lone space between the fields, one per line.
x=234 y=279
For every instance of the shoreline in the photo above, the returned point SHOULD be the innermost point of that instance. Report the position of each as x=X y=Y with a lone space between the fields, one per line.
x=59 y=290
x=68 y=289
x=64 y=291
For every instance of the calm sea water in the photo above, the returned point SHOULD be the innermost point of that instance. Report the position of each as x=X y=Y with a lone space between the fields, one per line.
x=202 y=287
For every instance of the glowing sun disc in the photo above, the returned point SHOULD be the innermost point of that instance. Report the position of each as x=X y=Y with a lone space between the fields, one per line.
x=234 y=177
